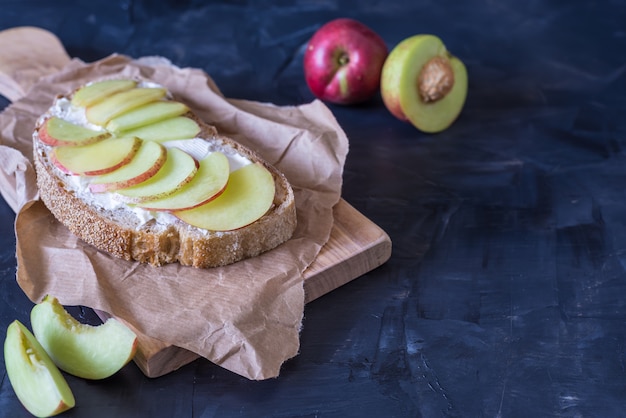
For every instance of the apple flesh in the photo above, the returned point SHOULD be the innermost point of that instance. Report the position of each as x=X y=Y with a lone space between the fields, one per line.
x=87 y=351
x=105 y=110
x=247 y=197
x=146 y=163
x=178 y=170
x=58 y=132
x=180 y=127
x=207 y=184
x=422 y=83
x=95 y=92
x=36 y=380
x=146 y=115
x=96 y=159
x=343 y=62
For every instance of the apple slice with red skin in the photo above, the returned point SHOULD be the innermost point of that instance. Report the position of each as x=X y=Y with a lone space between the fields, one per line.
x=343 y=62
x=58 y=132
x=248 y=196
x=36 y=380
x=207 y=184
x=99 y=90
x=146 y=163
x=87 y=351
x=119 y=103
x=96 y=159
x=179 y=169
x=146 y=115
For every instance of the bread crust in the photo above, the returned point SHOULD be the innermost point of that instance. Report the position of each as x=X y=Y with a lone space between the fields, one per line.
x=112 y=231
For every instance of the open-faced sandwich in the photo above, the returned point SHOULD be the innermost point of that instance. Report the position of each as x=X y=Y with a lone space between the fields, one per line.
x=136 y=174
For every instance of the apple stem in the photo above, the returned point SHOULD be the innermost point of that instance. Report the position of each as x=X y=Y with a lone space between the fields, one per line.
x=435 y=80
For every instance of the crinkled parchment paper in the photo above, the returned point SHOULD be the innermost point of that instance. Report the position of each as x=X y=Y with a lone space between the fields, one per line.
x=245 y=317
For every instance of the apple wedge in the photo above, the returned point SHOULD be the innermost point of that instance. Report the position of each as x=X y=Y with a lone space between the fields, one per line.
x=146 y=115
x=95 y=92
x=208 y=183
x=180 y=127
x=96 y=159
x=179 y=169
x=58 y=132
x=87 y=351
x=119 y=103
x=36 y=380
x=247 y=196
x=146 y=163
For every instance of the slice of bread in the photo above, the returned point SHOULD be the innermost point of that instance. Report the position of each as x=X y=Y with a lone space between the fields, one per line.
x=127 y=233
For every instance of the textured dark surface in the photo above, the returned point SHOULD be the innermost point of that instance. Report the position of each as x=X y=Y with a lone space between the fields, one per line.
x=506 y=291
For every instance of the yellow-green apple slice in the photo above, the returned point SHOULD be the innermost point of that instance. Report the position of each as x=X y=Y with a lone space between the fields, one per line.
x=248 y=196
x=95 y=92
x=146 y=163
x=178 y=170
x=207 y=184
x=423 y=83
x=87 y=351
x=146 y=115
x=96 y=159
x=36 y=380
x=179 y=127
x=58 y=132
x=119 y=103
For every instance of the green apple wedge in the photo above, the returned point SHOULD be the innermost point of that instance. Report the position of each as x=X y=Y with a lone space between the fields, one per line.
x=119 y=103
x=146 y=115
x=87 y=351
x=36 y=380
x=248 y=196
x=422 y=83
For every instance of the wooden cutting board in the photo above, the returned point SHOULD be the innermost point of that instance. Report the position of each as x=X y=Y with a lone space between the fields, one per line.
x=356 y=245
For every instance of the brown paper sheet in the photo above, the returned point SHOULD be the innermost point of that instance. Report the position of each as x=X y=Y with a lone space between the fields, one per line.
x=245 y=317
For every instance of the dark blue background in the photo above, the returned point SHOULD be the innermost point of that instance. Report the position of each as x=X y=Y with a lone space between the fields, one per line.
x=506 y=291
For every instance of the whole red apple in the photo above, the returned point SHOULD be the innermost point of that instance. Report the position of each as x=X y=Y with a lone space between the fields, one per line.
x=343 y=62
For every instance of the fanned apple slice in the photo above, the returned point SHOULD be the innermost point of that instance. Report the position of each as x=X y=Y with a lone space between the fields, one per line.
x=119 y=103
x=87 y=351
x=208 y=183
x=248 y=196
x=180 y=127
x=147 y=114
x=96 y=159
x=146 y=163
x=178 y=170
x=58 y=132
x=95 y=92
x=36 y=380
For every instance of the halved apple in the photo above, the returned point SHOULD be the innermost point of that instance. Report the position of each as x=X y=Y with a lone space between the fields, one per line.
x=95 y=92
x=96 y=159
x=248 y=196
x=87 y=351
x=119 y=103
x=36 y=380
x=208 y=183
x=180 y=127
x=179 y=169
x=146 y=163
x=146 y=115
x=58 y=132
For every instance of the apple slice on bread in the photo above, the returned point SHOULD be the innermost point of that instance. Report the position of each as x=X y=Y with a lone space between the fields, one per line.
x=179 y=169
x=95 y=159
x=164 y=186
x=58 y=132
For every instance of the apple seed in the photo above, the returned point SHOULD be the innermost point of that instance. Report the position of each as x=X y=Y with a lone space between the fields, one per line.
x=435 y=80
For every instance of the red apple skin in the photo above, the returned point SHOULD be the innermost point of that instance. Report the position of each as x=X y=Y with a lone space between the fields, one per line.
x=343 y=62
